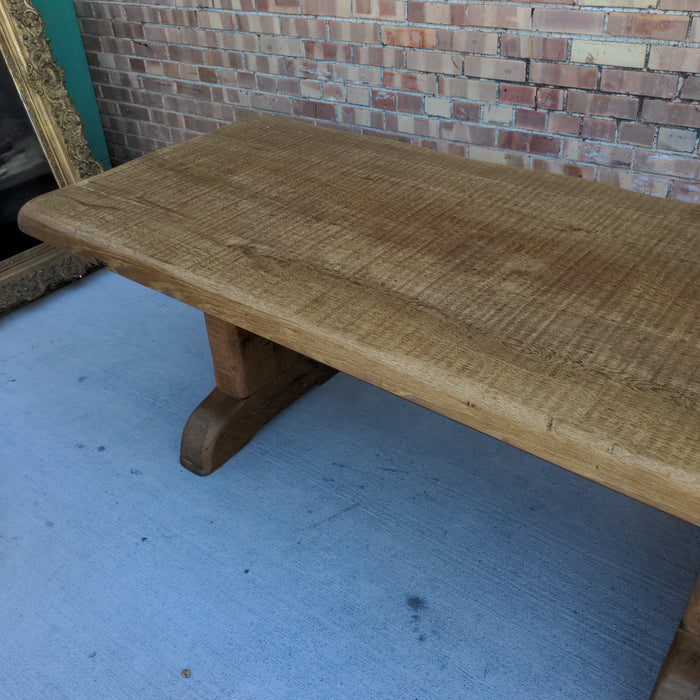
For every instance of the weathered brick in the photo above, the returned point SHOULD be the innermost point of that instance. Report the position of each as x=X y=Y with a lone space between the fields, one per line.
x=358 y=32
x=550 y=98
x=185 y=54
x=678 y=5
x=694 y=36
x=225 y=59
x=608 y=53
x=492 y=155
x=498 y=114
x=379 y=56
x=438 y=107
x=543 y=48
x=467 y=41
x=201 y=37
x=416 y=82
x=378 y=9
x=437 y=13
x=683 y=140
x=413 y=37
x=216 y=20
x=272 y=103
x=638 y=83
x=641 y=4
x=518 y=94
x=434 y=62
x=637 y=134
x=652 y=26
x=477 y=90
x=587 y=172
x=563 y=75
x=362 y=117
x=588 y=152
x=602 y=105
x=280 y=6
x=299 y=26
x=678 y=114
x=466 y=111
x=356 y=74
x=680 y=59
x=235 y=41
x=686 y=192
x=564 y=124
x=384 y=99
x=495 y=68
x=599 y=129
x=355 y=95
x=665 y=164
x=568 y=21
x=314 y=109
x=178 y=18
x=468 y=133
x=529 y=143
x=500 y=16
x=636 y=182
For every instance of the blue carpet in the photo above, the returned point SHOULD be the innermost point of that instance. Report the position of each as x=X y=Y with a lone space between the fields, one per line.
x=358 y=547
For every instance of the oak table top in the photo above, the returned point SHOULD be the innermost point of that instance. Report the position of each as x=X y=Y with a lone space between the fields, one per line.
x=555 y=314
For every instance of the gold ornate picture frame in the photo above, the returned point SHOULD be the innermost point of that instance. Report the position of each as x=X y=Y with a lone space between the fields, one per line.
x=39 y=81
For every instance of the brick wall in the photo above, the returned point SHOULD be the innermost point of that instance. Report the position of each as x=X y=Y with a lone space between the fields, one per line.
x=603 y=89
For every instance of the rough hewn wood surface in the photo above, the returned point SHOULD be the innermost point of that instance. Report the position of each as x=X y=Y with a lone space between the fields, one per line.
x=558 y=315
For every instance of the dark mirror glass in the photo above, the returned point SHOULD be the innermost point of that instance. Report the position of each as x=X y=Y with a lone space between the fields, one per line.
x=24 y=170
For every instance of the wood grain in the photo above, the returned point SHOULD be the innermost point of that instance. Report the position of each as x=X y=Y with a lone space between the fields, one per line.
x=556 y=314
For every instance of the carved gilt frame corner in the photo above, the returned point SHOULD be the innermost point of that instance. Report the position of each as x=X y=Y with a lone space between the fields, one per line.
x=40 y=84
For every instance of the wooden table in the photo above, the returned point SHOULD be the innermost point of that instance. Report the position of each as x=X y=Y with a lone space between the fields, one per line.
x=556 y=314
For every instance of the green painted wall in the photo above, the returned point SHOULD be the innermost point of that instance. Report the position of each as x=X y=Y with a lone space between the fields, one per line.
x=67 y=45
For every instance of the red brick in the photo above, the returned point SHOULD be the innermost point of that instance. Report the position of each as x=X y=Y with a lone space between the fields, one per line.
x=264 y=24
x=518 y=94
x=272 y=103
x=529 y=143
x=466 y=111
x=568 y=21
x=179 y=18
x=467 y=41
x=313 y=109
x=185 y=54
x=550 y=98
x=325 y=51
x=602 y=105
x=437 y=13
x=500 y=16
x=138 y=13
x=413 y=37
x=661 y=112
x=600 y=129
x=564 y=124
x=680 y=59
x=678 y=5
x=543 y=48
x=477 y=90
x=691 y=88
x=363 y=117
x=377 y=9
x=652 y=26
x=563 y=75
x=495 y=68
x=410 y=102
x=224 y=59
x=379 y=56
x=638 y=83
x=202 y=38
x=415 y=82
x=587 y=172
x=530 y=119
x=637 y=134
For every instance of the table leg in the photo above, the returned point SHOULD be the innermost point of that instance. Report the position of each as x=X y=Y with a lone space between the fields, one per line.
x=255 y=380
x=679 y=678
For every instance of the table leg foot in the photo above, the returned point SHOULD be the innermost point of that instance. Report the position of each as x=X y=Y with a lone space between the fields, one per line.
x=222 y=424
